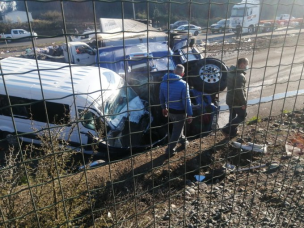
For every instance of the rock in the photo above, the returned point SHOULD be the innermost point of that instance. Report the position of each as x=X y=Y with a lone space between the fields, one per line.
x=202 y=185
x=286 y=204
x=191 y=191
x=166 y=217
x=187 y=193
x=275 y=125
x=189 y=183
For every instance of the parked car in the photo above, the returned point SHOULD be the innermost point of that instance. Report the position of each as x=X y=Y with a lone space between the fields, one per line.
x=220 y=26
x=193 y=29
x=178 y=23
x=17 y=34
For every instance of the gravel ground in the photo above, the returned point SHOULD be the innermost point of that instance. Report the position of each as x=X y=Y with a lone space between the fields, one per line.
x=167 y=194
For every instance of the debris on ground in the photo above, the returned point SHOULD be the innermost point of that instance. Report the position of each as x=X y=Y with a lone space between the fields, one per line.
x=251 y=147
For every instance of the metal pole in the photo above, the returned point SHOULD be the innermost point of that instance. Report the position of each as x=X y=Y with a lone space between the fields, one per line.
x=133 y=6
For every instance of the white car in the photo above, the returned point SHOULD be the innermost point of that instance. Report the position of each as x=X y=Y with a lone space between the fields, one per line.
x=193 y=29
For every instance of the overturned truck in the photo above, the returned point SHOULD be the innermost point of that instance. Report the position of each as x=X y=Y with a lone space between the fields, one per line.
x=143 y=66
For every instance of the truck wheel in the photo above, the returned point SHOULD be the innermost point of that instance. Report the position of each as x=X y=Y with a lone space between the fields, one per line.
x=9 y=40
x=251 y=29
x=208 y=76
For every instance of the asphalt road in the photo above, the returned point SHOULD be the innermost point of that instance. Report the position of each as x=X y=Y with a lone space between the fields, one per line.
x=38 y=42
x=277 y=72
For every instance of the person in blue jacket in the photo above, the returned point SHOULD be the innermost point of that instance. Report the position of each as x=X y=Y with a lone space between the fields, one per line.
x=175 y=101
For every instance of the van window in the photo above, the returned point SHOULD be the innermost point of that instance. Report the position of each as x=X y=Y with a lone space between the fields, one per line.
x=57 y=113
x=4 y=106
x=89 y=119
x=33 y=109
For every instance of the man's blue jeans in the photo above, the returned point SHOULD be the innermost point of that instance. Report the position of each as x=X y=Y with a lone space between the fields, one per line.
x=237 y=116
x=177 y=131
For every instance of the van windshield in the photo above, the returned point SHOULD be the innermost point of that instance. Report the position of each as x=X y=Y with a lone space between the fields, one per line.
x=238 y=12
x=115 y=104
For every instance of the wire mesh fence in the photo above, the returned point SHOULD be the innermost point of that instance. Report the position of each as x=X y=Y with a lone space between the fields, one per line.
x=89 y=113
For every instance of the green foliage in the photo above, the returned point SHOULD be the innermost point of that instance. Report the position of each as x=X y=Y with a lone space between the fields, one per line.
x=254 y=120
x=51 y=16
x=286 y=111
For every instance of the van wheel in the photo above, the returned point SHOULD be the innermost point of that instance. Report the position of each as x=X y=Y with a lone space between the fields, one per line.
x=208 y=76
x=9 y=137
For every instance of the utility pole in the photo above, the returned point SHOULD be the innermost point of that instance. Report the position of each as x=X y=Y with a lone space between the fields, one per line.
x=133 y=9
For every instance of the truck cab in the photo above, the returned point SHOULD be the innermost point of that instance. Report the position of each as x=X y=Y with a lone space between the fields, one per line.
x=245 y=15
x=79 y=53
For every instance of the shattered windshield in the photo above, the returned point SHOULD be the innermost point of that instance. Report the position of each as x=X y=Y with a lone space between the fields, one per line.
x=115 y=104
x=238 y=12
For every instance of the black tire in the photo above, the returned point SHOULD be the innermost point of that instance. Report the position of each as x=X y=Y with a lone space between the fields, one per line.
x=212 y=32
x=208 y=76
x=220 y=30
x=195 y=33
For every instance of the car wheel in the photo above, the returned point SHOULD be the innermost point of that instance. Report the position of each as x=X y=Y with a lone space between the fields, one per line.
x=208 y=76
x=212 y=32
x=195 y=33
x=220 y=30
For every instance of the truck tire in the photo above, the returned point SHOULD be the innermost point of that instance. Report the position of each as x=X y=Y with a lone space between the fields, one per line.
x=250 y=29
x=208 y=76
x=9 y=40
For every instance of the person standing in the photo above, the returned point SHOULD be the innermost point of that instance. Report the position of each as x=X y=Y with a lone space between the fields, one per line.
x=236 y=97
x=175 y=101
x=238 y=31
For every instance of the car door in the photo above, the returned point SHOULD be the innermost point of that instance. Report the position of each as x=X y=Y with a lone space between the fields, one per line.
x=15 y=34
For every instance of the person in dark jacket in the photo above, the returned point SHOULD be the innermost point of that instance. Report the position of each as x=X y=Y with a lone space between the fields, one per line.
x=238 y=31
x=175 y=101
x=236 y=96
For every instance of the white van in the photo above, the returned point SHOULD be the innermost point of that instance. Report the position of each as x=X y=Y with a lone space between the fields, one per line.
x=77 y=100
